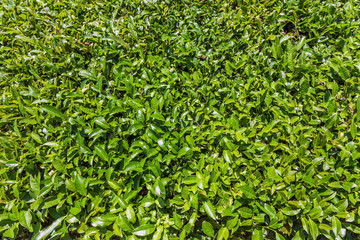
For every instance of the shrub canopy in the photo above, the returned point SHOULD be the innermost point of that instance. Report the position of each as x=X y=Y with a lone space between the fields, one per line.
x=179 y=119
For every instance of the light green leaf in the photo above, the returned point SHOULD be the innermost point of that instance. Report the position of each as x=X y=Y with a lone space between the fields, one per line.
x=248 y=191
x=51 y=144
x=183 y=151
x=257 y=235
x=227 y=156
x=158 y=116
x=301 y=43
x=103 y=220
x=159 y=188
x=130 y=214
x=133 y=166
x=25 y=220
x=336 y=225
x=100 y=151
x=36 y=137
x=177 y=220
x=157 y=234
x=144 y=230
x=53 y=111
x=331 y=121
x=80 y=184
x=332 y=106
x=209 y=209
x=245 y=212
x=316 y=212
x=290 y=211
x=35 y=185
x=223 y=233
x=208 y=229
x=313 y=229
x=43 y=234
x=124 y=224
x=353 y=129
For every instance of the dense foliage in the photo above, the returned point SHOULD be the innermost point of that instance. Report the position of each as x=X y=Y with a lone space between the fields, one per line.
x=179 y=119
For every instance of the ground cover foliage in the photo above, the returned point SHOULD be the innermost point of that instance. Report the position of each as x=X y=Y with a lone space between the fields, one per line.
x=179 y=119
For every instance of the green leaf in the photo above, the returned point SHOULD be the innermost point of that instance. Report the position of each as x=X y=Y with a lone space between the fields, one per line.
x=230 y=144
x=157 y=234
x=304 y=85
x=209 y=209
x=190 y=140
x=124 y=224
x=290 y=211
x=336 y=225
x=11 y=232
x=332 y=108
x=114 y=185
x=177 y=220
x=229 y=68
x=353 y=129
x=25 y=220
x=130 y=214
x=134 y=128
x=51 y=144
x=53 y=111
x=223 y=233
x=227 y=156
x=248 y=191
x=232 y=223
x=36 y=137
x=159 y=188
x=301 y=43
x=208 y=229
x=101 y=122
x=103 y=220
x=331 y=121
x=100 y=151
x=276 y=49
x=80 y=184
x=279 y=237
x=35 y=185
x=119 y=40
x=246 y=212
x=257 y=235
x=144 y=230
x=133 y=166
x=316 y=212
x=158 y=116
x=183 y=151
x=313 y=229
x=270 y=210
x=43 y=234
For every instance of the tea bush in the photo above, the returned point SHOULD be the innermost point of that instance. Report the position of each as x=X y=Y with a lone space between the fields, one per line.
x=201 y=119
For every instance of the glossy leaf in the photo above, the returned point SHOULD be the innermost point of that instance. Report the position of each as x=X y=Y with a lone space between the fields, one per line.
x=222 y=234
x=144 y=230
x=100 y=151
x=25 y=218
x=80 y=184
x=43 y=234
x=124 y=224
x=209 y=209
x=53 y=111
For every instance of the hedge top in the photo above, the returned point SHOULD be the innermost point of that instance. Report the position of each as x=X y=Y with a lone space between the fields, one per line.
x=179 y=119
